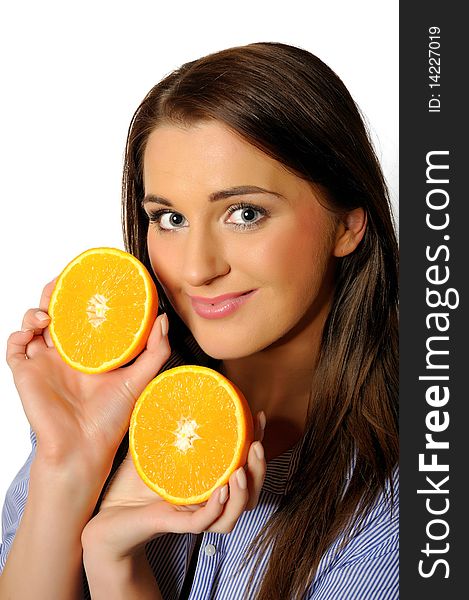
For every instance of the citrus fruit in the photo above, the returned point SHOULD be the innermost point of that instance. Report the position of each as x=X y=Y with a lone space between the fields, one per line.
x=190 y=429
x=102 y=309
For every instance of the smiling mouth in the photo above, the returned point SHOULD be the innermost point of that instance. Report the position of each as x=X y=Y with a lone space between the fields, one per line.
x=220 y=306
x=218 y=299
x=231 y=298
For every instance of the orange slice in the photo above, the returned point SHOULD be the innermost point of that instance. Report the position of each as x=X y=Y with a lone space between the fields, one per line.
x=190 y=429
x=102 y=310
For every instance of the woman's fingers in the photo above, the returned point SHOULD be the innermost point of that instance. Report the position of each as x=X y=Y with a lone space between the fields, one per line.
x=46 y=294
x=161 y=517
x=36 y=320
x=197 y=521
x=255 y=472
x=28 y=341
x=44 y=306
x=16 y=347
x=259 y=426
x=256 y=465
x=236 y=504
x=149 y=363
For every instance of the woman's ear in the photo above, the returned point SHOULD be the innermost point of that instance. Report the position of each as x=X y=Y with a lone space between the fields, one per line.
x=350 y=232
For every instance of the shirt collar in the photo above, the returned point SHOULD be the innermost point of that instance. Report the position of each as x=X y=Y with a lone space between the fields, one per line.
x=280 y=469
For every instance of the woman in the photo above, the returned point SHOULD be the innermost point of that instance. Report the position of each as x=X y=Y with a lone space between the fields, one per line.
x=253 y=194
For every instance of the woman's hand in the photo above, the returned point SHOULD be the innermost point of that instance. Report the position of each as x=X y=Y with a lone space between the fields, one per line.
x=131 y=514
x=79 y=419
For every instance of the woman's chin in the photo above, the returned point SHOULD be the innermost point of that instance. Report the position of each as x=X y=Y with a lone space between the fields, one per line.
x=223 y=353
x=223 y=350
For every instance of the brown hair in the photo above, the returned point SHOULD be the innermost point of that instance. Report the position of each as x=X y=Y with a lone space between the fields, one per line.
x=292 y=106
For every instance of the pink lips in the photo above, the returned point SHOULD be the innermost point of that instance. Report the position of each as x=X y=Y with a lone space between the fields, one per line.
x=219 y=306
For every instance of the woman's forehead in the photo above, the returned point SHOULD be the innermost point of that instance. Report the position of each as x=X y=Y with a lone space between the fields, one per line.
x=210 y=155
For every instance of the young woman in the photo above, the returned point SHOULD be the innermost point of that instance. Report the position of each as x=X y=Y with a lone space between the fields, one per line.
x=253 y=194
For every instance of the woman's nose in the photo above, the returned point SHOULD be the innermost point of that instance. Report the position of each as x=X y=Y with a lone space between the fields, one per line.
x=204 y=258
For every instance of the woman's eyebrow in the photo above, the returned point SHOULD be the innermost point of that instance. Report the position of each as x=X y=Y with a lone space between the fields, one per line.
x=241 y=190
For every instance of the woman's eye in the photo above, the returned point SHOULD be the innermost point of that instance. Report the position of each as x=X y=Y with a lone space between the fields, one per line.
x=168 y=220
x=244 y=216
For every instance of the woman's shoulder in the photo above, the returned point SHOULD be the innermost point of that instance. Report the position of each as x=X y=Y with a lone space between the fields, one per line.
x=377 y=534
x=366 y=564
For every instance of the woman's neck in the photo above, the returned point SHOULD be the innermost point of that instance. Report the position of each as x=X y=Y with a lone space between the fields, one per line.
x=278 y=381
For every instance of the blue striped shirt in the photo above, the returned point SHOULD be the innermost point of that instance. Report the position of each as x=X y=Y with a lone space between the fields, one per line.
x=365 y=569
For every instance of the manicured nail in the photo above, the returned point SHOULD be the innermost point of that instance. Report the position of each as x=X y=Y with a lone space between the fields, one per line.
x=164 y=325
x=241 y=477
x=262 y=420
x=223 y=494
x=259 y=450
x=42 y=316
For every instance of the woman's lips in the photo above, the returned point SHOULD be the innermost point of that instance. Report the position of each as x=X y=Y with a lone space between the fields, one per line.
x=219 y=306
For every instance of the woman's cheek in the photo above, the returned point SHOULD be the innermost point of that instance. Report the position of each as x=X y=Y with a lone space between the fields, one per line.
x=159 y=255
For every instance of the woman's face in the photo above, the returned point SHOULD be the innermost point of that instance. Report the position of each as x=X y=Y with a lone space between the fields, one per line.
x=242 y=247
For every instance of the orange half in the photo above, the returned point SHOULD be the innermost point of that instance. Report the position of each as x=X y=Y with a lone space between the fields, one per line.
x=102 y=310
x=190 y=430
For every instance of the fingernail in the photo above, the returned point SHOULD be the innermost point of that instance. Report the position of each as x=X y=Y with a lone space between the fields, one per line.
x=223 y=494
x=164 y=325
x=259 y=450
x=241 y=477
x=42 y=316
x=262 y=420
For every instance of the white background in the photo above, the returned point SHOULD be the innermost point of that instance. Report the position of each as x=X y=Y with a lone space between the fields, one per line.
x=71 y=76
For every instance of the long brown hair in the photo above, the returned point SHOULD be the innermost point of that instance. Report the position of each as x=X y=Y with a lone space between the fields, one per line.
x=293 y=107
